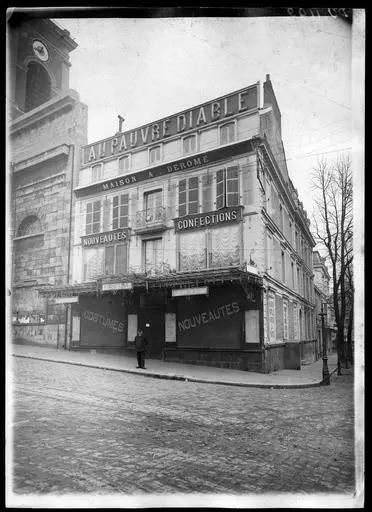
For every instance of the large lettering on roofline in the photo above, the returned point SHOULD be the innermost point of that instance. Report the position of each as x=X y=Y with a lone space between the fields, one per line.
x=202 y=115
x=185 y=164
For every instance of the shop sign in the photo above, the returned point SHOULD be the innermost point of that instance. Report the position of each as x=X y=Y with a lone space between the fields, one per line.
x=205 y=220
x=116 y=286
x=108 y=237
x=105 y=321
x=208 y=316
x=66 y=300
x=202 y=290
x=186 y=164
x=197 y=117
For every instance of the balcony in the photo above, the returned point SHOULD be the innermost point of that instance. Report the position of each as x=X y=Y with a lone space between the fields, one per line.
x=151 y=220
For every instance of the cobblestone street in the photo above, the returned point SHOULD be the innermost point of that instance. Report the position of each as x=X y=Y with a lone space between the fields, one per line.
x=85 y=430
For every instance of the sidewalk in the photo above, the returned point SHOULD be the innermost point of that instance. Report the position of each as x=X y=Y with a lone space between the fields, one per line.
x=309 y=376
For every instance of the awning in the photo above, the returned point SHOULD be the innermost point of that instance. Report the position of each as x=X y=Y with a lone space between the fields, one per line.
x=160 y=281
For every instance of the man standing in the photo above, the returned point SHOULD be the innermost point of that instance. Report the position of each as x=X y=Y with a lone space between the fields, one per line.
x=140 y=343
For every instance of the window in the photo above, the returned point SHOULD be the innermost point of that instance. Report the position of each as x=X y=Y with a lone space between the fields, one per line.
x=97 y=172
x=189 y=144
x=298 y=280
x=38 y=86
x=283 y=267
x=285 y=320
x=116 y=259
x=153 y=206
x=227 y=133
x=152 y=254
x=31 y=225
x=155 y=155
x=192 y=250
x=93 y=218
x=227 y=183
x=292 y=275
x=188 y=196
x=120 y=211
x=281 y=218
x=224 y=246
x=124 y=163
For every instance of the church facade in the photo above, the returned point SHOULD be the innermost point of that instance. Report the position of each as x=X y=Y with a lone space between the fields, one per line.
x=47 y=125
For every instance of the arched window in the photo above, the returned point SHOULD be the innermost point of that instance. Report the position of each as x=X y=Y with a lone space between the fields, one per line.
x=38 y=86
x=31 y=225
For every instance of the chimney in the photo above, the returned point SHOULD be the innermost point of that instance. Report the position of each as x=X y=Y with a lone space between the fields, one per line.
x=267 y=77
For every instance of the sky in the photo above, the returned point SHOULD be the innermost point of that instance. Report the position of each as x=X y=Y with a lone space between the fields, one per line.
x=146 y=69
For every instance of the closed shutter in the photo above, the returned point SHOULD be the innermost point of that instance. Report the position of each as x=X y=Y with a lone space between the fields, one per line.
x=182 y=198
x=207 y=202
x=106 y=215
x=172 y=195
x=220 y=189
x=291 y=321
x=121 y=260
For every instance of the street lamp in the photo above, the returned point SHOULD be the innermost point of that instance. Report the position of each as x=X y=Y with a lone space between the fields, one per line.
x=325 y=381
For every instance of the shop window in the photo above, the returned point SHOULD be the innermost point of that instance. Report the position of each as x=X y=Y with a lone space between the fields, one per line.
x=227 y=133
x=224 y=246
x=31 y=225
x=192 y=250
x=227 y=191
x=94 y=263
x=189 y=144
x=97 y=172
x=38 y=86
x=154 y=155
x=188 y=196
x=93 y=217
x=120 y=207
x=116 y=259
x=124 y=164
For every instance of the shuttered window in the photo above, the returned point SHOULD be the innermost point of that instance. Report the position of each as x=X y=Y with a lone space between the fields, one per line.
x=227 y=187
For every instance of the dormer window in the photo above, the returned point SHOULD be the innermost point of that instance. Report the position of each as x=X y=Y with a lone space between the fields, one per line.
x=189 y=145
x=154 y=155
x=227 y=133
x=124 y=163
x=97 y=172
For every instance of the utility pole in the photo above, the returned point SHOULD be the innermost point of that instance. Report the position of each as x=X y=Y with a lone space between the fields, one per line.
x=325 y=381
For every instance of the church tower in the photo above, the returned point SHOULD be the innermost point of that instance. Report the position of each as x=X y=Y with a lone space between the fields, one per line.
x=47 y=125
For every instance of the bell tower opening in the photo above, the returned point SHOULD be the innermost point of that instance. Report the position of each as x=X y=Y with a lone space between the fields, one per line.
x=38 y=86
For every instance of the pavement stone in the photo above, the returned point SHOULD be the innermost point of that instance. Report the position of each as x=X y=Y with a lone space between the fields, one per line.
x=309 y=375
x=86 y=430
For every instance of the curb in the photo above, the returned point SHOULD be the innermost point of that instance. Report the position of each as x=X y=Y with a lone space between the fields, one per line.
x=183 y=378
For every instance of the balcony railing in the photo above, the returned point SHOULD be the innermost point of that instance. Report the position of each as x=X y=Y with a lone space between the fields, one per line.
x=151 y=219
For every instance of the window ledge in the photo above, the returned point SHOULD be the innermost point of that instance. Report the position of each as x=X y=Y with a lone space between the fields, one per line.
x=25 y=237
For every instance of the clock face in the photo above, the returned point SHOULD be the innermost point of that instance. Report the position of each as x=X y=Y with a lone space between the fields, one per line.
x=40 y=50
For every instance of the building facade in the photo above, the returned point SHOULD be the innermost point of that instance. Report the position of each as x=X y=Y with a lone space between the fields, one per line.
x=190 y=228
x=47 y=124
x=323 y=304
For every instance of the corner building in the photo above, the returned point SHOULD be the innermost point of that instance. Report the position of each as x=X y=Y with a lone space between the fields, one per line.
x=190 y=228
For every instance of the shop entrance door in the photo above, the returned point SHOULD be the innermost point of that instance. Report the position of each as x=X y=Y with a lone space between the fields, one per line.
x=151 y=320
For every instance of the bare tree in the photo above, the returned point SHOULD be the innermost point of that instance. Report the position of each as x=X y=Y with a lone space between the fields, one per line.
x=333 y=224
